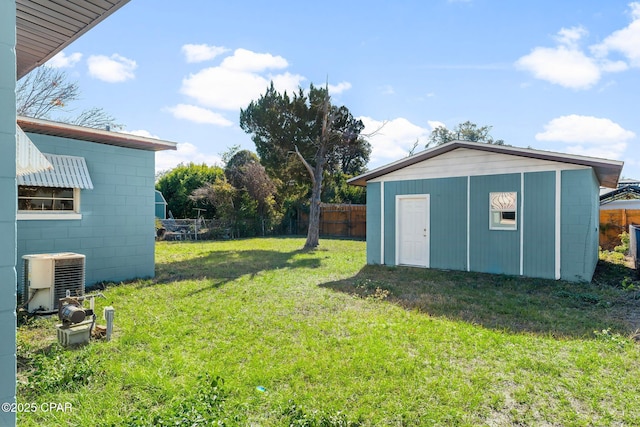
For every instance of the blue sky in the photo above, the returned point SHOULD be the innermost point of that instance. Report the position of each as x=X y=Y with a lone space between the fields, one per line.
x=552 y=75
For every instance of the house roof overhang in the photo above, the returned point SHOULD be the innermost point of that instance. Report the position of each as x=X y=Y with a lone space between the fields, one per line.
x=607 y=171
x=46 y=127
x=45 y=27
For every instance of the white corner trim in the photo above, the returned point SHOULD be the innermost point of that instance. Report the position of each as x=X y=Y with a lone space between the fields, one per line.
x=468 y=222
x=558 y=258
x=521 y=218
x=382 y=223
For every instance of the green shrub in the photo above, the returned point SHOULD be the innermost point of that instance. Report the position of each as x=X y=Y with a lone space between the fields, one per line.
x=624 y=247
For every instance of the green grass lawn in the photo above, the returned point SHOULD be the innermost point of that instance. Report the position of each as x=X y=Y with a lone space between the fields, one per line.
x=259 y=332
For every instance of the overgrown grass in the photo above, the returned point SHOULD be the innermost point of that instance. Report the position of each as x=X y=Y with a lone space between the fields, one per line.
x=259 y=332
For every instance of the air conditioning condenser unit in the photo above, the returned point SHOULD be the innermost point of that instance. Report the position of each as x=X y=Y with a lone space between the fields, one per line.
x=48 y=277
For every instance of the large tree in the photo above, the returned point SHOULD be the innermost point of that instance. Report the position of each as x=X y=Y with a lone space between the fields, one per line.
x=46 y=92
x=466 y=131
x=307 y=126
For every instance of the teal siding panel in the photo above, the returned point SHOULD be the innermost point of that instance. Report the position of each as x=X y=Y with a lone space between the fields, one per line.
x=8 y=208
x=539 y=224
x=492 y=251
x=579 y=225
x=373 y=223
x=118 y=215
x=448 y=224
x=390 y=191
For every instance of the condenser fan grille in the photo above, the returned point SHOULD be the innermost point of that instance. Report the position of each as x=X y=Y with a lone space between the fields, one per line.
x=69 y=276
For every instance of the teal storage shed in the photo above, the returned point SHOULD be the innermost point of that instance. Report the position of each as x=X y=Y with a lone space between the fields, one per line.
x=488 y=208
x=161 y=206
x=98 y=200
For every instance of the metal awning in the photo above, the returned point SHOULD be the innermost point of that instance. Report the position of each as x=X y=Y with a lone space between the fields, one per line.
x=67 y=172
x=28 y=158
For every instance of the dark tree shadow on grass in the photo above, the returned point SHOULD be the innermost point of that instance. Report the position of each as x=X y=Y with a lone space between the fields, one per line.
x=220 y=267
x=509 y=303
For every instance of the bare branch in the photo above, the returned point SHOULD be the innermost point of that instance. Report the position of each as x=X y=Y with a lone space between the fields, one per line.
x=306 y=165
x=375 y=132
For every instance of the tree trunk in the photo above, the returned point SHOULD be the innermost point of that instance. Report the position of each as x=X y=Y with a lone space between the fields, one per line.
x=313 y=235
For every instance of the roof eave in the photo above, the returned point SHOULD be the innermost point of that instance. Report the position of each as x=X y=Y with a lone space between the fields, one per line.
x=24 y=68
x=607 y=171
x=64 y=130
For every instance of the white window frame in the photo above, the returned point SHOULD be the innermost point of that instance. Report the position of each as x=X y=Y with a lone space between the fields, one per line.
x=27 y=215
x=500 y=210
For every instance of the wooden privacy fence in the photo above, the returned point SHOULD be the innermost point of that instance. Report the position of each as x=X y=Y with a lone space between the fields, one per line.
x=613 y=223
x=342 y=220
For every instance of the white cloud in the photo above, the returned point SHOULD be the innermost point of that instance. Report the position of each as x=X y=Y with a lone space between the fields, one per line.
x=140 y=132
x=61 y=60
x=611 y=151
x=625 y=41
x=185 y=153
x=238 y=80
x=111 y=69
x=568 y=65
x=246 y=60
x=201 y=52
x=199 y=115
x=339 y=88
x=436 y=124
x=588 y=135
x=570 y=37
x=562 y=65
x=284 y=82
x=393 y=139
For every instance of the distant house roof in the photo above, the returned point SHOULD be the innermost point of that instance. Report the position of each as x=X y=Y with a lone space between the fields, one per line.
x=628 y=192
x=46 y=127
x=45 y=27
x=607 y=171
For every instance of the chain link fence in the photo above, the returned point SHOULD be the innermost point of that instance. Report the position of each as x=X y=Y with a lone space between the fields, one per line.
x=213 y=229
x=336 y=220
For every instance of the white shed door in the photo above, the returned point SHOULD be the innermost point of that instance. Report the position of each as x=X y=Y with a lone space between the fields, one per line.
x=412 y=230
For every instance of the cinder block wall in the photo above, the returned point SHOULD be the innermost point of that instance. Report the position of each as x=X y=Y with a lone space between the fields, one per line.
x=116 y=232
x=7 y=208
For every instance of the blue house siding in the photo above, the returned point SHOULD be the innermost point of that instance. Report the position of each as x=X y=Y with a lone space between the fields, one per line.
x=116 y=232
x=579 y=226
x=448 y=207
x=539 y=224
x=493 y=251
x=7 y=208
x=373 y=222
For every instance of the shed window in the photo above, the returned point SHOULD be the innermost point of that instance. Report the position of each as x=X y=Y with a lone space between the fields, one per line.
x=503 y=211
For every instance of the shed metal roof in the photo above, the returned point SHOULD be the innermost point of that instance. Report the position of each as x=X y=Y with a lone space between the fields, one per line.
x=65 y=130
x=607 y=171
x=45 y=27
